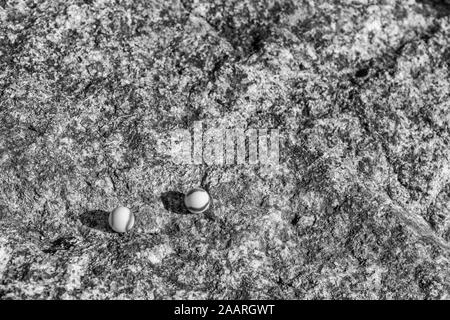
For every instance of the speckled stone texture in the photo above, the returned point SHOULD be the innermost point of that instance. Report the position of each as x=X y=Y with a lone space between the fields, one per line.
x=359 y=208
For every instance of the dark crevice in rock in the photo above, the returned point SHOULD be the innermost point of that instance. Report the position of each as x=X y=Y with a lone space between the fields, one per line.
x=441 y=7
x=374 y=68
x=63 y=243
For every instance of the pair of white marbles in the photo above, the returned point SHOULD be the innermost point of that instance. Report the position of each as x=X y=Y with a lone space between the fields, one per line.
x=121 y=219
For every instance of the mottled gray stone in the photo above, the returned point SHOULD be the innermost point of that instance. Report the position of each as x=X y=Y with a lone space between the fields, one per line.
x=91 y=91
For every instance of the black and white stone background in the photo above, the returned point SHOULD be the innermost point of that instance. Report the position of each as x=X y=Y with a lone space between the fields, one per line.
x=90 y=92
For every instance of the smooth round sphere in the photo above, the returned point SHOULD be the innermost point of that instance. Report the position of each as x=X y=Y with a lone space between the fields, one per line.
x=121 y=219
x=197 y=200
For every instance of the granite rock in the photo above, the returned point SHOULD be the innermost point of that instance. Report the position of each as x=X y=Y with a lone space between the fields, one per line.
x=359 y=207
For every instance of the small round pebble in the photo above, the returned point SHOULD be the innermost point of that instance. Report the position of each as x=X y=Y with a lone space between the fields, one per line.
x=197 y=200
x=121 y=219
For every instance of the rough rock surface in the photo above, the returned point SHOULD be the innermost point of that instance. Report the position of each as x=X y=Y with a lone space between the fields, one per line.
x=359 y=208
